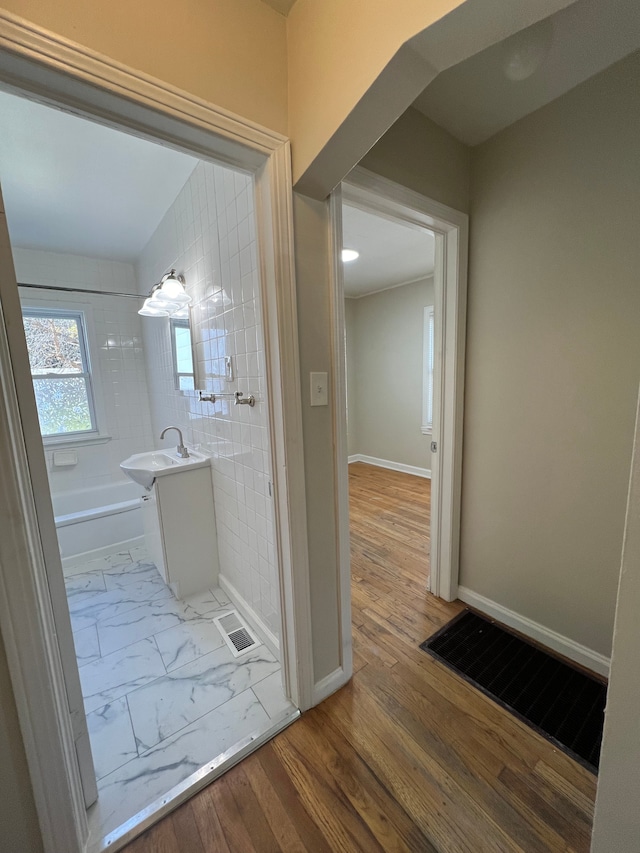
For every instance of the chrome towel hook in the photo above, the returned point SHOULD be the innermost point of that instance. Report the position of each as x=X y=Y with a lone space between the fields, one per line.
x=240 y=399
x=244 y=401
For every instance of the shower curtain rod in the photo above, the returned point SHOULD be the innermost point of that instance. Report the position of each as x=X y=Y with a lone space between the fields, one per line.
x=83 y=290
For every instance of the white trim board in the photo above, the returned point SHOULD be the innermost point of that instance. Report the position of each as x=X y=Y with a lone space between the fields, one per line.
x=339 y=428
x=329 y=684
x=546 y=636
x=266 y=635
x=392 y=466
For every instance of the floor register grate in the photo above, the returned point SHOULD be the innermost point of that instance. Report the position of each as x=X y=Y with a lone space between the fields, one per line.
x=236 y=634
x=561 y=702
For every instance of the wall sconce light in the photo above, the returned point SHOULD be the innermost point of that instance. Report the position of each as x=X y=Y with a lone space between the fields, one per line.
x=167 y=297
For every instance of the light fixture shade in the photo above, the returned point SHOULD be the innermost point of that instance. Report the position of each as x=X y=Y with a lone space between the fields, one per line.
x=150 y=310
x=162 y=297
x=168 y=298
x=172 y=289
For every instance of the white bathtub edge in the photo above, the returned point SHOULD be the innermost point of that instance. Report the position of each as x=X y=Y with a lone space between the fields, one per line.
x=78 y=560
x=96 y=512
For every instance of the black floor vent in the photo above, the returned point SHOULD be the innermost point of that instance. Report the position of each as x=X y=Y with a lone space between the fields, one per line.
x=561 y=702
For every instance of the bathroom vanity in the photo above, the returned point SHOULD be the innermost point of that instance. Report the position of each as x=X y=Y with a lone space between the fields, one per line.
x=179 y=517
x=180 y=530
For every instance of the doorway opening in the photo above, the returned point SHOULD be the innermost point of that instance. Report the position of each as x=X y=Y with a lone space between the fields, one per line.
x=390 y=355
x=147 y=558
x=432 y=514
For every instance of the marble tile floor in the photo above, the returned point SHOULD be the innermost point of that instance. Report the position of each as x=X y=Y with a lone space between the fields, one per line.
x=163 y=694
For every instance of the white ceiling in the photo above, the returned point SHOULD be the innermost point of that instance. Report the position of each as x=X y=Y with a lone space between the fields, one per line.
x=73 y=186
x=475 y=99
x=390 y=253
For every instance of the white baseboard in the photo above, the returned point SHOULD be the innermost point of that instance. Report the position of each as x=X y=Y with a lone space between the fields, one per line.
x=392 y=466
x=266 y=634
x=551 y=639
x=329 y=684
x=98 y=553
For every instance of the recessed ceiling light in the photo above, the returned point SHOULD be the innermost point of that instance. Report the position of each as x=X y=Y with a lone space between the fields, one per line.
x=349 y=255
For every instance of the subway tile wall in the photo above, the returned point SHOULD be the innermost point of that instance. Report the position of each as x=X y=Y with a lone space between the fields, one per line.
x=115 y=329
x=208 y=235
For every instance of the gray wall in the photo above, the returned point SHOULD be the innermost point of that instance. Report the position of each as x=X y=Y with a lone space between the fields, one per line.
x=418 y=154
x=311 y=223
x=553 y=355
x=384 y=374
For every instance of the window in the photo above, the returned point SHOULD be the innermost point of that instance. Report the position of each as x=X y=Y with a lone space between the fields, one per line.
x=182 y=355
x=427 y=371
x=58 y=356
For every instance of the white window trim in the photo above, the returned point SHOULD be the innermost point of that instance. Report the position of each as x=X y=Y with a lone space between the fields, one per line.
x=427 y=370
x=84 y=309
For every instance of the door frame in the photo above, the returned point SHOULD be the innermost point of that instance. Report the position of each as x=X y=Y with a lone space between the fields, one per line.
x=376 y=194
x=45 y=67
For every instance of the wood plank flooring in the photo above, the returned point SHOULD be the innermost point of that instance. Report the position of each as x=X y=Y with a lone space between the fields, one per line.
x=406 y=757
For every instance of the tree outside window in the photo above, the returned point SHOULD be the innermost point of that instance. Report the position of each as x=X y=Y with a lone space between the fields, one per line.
x=56 y=342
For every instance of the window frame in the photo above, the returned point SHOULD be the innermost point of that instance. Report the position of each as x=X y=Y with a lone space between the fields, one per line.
x=428 y=366
x=68 y=308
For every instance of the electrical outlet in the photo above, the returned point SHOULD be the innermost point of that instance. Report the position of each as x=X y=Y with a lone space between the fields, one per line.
x=319 y=389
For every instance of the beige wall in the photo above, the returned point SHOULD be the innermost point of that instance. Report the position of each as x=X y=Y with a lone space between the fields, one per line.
x=355 y=66
x=19 y=830
x=330 y=70
x=617 y=818
x=384 y=364
x=553 y=355
x=418 y=154
x=232 y=53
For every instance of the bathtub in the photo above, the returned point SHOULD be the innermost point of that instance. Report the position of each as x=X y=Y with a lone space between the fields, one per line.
x=92 y=522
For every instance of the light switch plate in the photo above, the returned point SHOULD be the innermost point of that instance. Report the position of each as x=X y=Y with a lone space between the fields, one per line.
x=319 y=389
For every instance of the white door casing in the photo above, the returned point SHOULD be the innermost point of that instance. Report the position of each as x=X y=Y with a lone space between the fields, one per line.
x=40 y=649
x=375 y=194
x=43 y=66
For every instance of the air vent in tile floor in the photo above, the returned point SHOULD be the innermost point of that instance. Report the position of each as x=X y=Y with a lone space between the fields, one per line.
x=236 y=633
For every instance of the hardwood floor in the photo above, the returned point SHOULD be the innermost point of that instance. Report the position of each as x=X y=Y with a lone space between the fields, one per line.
x=406 y=757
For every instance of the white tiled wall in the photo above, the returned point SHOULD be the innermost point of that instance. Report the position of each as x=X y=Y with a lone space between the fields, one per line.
x=120 y=360
x=208 y=235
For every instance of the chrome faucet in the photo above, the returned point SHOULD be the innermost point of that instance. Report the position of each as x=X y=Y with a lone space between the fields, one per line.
x=182 y=450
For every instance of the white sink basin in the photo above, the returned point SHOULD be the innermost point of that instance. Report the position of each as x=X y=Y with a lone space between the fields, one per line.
x=143 y=468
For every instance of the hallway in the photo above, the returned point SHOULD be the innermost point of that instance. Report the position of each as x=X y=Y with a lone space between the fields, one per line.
x=406 y=757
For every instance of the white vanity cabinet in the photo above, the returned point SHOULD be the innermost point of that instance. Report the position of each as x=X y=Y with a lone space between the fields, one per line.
x=180 y=530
